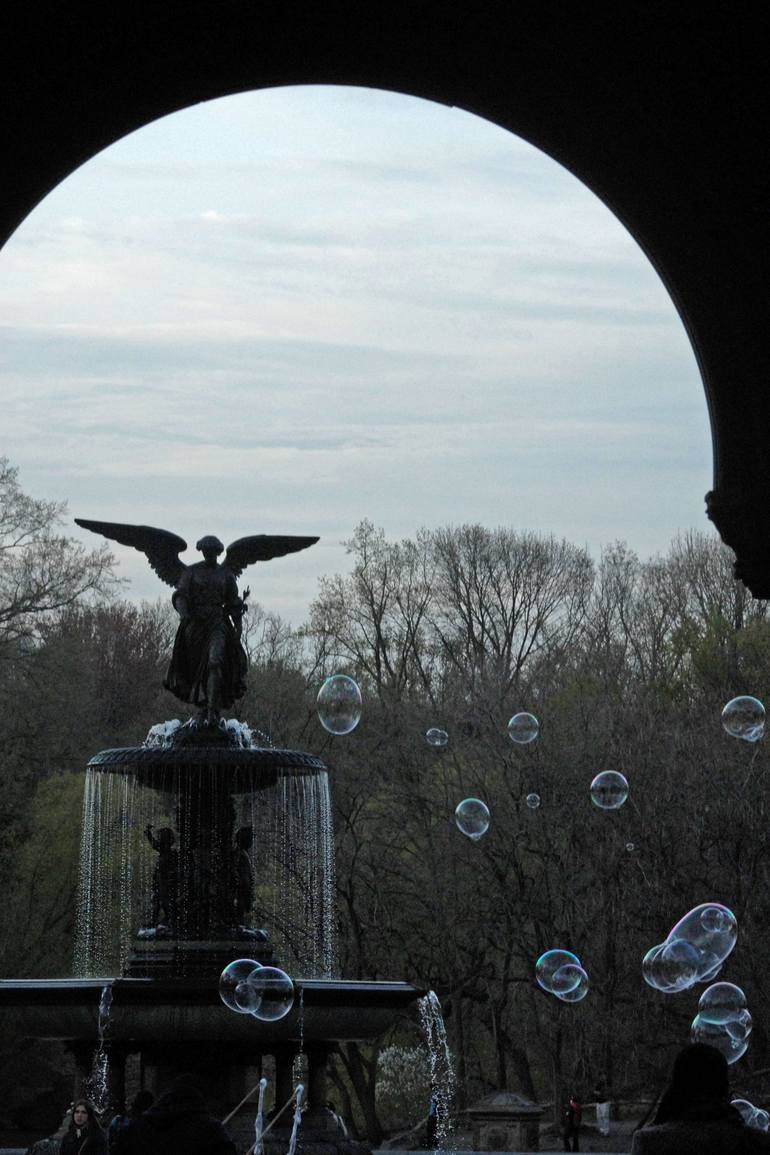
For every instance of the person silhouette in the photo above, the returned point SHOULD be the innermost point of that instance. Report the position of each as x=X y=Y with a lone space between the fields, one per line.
x=695 y=1115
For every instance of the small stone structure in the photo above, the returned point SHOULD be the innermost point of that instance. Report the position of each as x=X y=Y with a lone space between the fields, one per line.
x=505 y=1121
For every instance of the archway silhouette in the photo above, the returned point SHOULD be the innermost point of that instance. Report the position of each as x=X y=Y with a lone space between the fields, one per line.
x=630 y=99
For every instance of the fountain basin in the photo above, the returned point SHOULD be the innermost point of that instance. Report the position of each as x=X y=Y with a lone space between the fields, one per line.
x=156 y=1010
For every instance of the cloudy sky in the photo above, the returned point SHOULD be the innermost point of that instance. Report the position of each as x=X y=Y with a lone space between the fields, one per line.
x=289 y=310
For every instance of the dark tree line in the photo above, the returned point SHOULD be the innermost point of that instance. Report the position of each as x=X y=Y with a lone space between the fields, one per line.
x=626 y=663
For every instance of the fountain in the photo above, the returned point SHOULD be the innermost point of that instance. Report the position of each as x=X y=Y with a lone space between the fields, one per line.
x=199 y=847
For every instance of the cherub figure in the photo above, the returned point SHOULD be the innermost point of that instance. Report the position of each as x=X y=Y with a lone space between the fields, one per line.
x=165 y=876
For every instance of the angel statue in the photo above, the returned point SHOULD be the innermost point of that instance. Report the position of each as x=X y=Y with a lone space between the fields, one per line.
x=208 y=664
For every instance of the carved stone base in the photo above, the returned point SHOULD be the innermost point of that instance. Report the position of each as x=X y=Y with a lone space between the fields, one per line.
x=165 y=957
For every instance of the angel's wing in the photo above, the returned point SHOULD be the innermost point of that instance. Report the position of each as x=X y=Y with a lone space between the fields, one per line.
x=261 y=547
x=160 y=547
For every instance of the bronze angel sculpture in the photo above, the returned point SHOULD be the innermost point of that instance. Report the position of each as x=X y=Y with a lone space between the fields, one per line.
x=208 y=664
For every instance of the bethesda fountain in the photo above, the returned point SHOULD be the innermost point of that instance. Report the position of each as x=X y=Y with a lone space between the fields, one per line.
x=199 y=847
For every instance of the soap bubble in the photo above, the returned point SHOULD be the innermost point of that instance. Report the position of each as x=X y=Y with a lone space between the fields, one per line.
x=745 y=1109
x=678 y=962
x=578 y=992
x=716 y=1035
x=233 y=984
x=715 y=919
x=761 y=1120
x=339 y=704
x=609 y=790
x=651 y=971
x=472 y=818
x=630 y=846
x=436 y=737
x=721 y=1003
x=273 y=993
x=740 y=1028
x=744 y=717
x=713 y=945
x=549 y=963
x=523 y=728
x=566 y=978
x=533 y=801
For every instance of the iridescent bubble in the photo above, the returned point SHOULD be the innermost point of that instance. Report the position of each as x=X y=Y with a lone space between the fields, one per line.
x=678 y=962
x=472 y=818
x=578 y=992
x=339 y=704
x=716 y=1035
x=721 y=1003
x=533 y=801
x=566 y=978
x=744 y=717
x=630 y=846
x=232 y=991
x=740 y=1028
x=274 y=994
x=651 y=968
x=713 y=946
x=549 y=963
x=436 y=737
x=745 y=1109
x=523 y=728
x=609 y=790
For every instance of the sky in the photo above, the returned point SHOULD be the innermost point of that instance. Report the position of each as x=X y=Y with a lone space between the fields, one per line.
x=290 y=310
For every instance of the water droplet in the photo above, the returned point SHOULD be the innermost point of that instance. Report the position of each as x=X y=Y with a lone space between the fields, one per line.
x=339 y=704
x=436 y=737
x=231 y=981
x=533 y=801
x=744 y=717
x=523 y=728
x=273 y=994
x=472 y=818
x=609 y=790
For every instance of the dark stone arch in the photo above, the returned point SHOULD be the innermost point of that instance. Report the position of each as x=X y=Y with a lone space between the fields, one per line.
x=659 y=108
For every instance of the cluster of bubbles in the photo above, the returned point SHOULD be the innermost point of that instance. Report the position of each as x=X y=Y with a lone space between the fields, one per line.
x=609 y=790
x=723 y=1020
x=752 y=1116
x=561 y=973
x=472 y=818
x=523 y=728
x=694 y=951
x=248 y=988
x=339 y=704
x=744 y=717
x=436 y=737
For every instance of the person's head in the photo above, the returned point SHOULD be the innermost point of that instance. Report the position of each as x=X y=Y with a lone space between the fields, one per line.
x=166 y=837
x=210 y=547
x=699 y=1072
x=83 y=1115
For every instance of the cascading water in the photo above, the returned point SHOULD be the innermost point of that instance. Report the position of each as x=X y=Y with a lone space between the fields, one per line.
x=442 y=1074
x=259 y=1122
x=285 y=829
x=298 y=1092
x=97 y=1082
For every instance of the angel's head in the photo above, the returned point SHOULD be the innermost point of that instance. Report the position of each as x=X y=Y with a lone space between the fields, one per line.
x=210 y=547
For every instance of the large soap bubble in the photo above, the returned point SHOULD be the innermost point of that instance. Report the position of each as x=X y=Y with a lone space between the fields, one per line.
x=472 y=818
x=273 y=994
x=234 y=988
x=740 y=1027
x=339 y=704
x=549 y=963
x=713 y=930
x=523 y=728
x=609 y=790
x=533 y=801
x=576 y=993
x=436 y=737
x=721 y=1003
x=744 y=717
x=678 y=963
x=567 y=978
x=717 y=1035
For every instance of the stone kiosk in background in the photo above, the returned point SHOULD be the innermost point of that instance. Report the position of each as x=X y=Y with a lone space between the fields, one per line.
x=505 y=1121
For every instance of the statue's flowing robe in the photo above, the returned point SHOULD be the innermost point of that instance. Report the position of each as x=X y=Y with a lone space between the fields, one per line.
x=206 y=637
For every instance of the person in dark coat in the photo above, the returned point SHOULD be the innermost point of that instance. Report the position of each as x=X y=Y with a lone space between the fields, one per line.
x=695 y=1113
x=177 y=1124
x=84 y=1136
x=572 y=1119
x=142 y=1101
